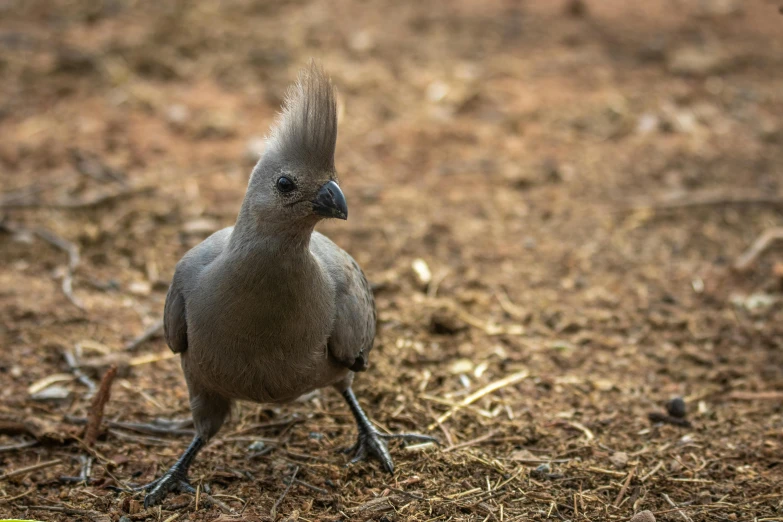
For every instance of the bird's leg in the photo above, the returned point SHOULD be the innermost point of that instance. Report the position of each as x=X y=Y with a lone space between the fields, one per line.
x=370 y=441
x=175 y=479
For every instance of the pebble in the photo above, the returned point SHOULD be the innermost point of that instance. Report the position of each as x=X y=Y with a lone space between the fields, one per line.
x=695 y=61
x=676 y=408
x=257 y=446
x=643 y=516
x=619 y=459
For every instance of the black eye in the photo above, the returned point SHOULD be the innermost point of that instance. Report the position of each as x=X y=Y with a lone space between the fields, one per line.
x=285 y=185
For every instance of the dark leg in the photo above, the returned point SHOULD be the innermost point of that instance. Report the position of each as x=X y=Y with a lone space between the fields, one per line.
x=370 y=441
x=175 y=479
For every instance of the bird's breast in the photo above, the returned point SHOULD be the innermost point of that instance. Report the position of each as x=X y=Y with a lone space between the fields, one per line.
x=262 y=347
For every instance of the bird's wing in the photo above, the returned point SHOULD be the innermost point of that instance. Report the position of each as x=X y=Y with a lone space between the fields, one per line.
x=175 y=325
x=353 y=332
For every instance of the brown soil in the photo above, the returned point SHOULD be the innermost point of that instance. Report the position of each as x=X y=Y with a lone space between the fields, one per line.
x=578 y=178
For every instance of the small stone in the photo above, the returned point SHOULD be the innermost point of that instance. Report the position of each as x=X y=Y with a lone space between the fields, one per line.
x=696 y=61
x=643 y=516
x=619 y=459
x=140 y=288
x=257 y=446
x=445 y=322
x=52 y=393
x=541 y=471
x=177 y=116
x=461 y=366
x=362 y=42
x=676 y=408
x=437 y=91
x=647 y=123
x=422 y=272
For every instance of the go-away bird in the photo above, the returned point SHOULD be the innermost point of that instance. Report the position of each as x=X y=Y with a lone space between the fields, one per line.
x=268 y=310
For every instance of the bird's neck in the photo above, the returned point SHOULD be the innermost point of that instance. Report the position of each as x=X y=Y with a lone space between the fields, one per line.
x=277 y=239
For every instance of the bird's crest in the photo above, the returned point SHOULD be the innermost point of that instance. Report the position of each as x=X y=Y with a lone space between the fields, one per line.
x=306 y=130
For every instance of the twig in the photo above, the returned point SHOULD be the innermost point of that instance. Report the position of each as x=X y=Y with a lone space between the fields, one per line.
x=652 y=472
x=84 y=473
x=762 y=243
x=95 y=415
x=308 y=485
x=675 y=506
x=708 y=198
x=623 y=489
x=73 y=261
x=153 y=331
x=756 y=396
x=81 y=203
x=59 y=509
x=17 y=497
x=273 y=513
x=73 y=364
x=486 y=390
x=29 y=469
x=137 y=427
x=21 y=445
x=473 y=442
x=89 y=165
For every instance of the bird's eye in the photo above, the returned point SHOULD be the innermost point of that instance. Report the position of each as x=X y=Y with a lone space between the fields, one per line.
x=285 y=185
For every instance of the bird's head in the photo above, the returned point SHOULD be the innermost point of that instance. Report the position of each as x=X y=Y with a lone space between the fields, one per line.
x=294 y=185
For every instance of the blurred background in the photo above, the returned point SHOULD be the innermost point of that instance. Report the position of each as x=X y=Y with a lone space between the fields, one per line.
x=584 y=196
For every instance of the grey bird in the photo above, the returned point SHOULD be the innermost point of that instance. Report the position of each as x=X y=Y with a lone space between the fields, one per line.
x=268 y=310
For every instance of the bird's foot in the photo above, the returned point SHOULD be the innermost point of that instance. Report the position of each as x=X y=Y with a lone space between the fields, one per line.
x=372 y=443
x=175 y=479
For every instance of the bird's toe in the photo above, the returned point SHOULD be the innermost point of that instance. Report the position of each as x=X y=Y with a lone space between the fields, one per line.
x=160 y=488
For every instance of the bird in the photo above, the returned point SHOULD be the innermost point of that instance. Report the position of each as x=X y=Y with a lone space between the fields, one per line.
x=269 y=309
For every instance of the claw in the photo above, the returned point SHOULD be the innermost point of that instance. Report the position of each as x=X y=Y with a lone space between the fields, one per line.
x=158 y=489
x=372 y=443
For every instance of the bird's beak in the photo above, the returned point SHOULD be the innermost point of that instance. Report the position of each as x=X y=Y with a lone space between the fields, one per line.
x=330 y=202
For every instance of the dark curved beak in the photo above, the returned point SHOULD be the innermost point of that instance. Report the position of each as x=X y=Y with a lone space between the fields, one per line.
x=330 y=202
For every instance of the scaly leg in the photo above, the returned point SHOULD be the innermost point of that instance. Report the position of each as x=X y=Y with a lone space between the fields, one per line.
x=175 y=479
x=370 y=441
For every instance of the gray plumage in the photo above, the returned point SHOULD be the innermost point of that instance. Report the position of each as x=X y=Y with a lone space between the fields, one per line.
x=268 y=310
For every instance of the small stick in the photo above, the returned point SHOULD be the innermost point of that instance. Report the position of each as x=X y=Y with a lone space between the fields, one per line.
x=73 y=364
x=486 y=390
x=675 y=506
x=153 y=331
x=21 y=445
x=310 y=486
x=473 y=442
x=623 y=489
x=653 y=471
x=29 y=469
x=707 y=198
x=73 y=261
x=762 y=243
x=225 y=508
x=17 y=497
x=95 y=415
x=149 y=429
x=61 y=509
x=81 y=203
x=273 y=513
x=756 y=396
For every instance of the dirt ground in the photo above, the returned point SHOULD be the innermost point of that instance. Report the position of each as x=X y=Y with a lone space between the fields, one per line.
x=579 y=178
